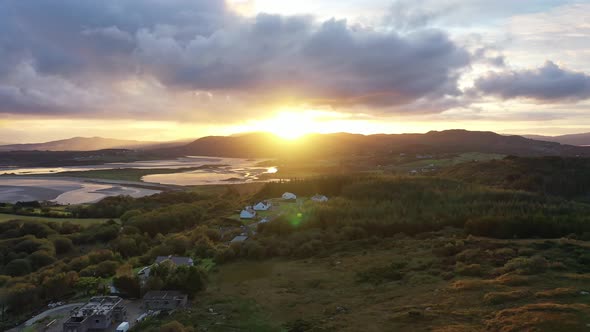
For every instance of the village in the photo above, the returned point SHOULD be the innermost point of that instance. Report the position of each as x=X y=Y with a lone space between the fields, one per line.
x=115 y=311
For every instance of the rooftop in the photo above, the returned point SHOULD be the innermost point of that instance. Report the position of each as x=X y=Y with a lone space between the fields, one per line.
x=239 y=238
x=98 y=305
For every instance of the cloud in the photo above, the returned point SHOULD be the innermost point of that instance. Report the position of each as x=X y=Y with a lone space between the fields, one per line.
x=548 y=83
x=294 y=59
x=90 y=47
x=415 y=14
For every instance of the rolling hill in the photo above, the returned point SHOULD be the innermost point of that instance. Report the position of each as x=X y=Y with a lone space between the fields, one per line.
x=88 y=144
x=263 y=145
x=582 y=139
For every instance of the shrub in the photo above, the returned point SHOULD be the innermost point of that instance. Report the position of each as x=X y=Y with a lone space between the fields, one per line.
x=174 y=326
x=18 y=267
x=474 y=270
x=503 y=297
x=62 y=245
x=510 y=279
x=469 y=284
x=557 y=292
x=527 y=265
x=468 y=255
x=378 y=275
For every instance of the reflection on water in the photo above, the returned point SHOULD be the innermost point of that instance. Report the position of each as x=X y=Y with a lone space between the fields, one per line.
x=76 y=191
x=70 y=191
x=91 y=193
x=172 y=163
x=218 y=175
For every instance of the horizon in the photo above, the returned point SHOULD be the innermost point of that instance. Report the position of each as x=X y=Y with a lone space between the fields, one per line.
x=187 y=69
x=286 y=138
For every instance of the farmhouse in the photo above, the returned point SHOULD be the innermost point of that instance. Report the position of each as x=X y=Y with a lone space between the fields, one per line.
x=248 y=213
x=289 y=196
x=262 y=206
x=164 y=300
x=98 y=314
x=319 y=198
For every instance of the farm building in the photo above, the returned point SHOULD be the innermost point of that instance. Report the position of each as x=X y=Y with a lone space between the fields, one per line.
x=248 y=213
x=289 y=196
x=262 y=206
x=99 y=313
x=319 y=198
x=164 y=300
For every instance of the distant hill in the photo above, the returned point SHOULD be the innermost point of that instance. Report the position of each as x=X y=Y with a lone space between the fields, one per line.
x=264 y=145
x=88 y=144
x=572 y=139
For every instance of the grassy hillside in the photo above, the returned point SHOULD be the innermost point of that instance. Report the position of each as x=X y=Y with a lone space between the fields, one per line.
x=81 y=221
x=440 y=281
x=566 y=177
x=385 y=252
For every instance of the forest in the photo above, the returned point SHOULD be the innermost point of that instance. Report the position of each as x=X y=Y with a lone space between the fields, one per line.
x=42 y=262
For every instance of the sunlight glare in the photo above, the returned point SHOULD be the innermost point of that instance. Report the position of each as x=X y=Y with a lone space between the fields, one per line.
x=290 y=125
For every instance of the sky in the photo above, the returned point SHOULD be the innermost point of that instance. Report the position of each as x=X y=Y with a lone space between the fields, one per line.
x=178 y=69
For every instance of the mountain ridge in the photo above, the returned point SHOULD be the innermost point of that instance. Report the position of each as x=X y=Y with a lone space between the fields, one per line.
x=581 y=139
x=265 y=145
x=88 y=144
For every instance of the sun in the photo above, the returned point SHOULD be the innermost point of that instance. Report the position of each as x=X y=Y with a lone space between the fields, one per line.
x=290 y=125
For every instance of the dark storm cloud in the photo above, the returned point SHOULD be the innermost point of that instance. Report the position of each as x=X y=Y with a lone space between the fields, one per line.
x=64 y=37
x=548 y=83
x=201 y=45
x=292 y=57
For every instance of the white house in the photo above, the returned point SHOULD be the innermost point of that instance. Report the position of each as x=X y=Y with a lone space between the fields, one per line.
x=319 y=198
x=248 y=213
x=262 y=206
x=289 y=195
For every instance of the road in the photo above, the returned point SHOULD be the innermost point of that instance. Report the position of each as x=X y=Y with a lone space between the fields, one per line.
x=56 y=310
x=64 y=309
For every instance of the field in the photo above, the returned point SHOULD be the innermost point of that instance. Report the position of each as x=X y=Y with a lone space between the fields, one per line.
x=6 y=217
x=448 y=161
x=279 y=207
x=405 y=284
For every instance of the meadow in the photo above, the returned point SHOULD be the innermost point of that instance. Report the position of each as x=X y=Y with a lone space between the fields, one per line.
x=4 y=217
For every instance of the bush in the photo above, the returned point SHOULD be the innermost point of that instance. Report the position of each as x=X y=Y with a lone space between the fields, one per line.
x=474 y=270
x=526 y=265
x=18 y=267
x=557 y=292
x=40 y=259
x=503 y=297
x=62 y=245
x=378 y=275
x=174 y=326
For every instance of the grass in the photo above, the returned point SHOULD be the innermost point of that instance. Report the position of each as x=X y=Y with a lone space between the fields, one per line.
x=279 y=207
x=403 y=285
x=451 y=161
x=6 y=217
